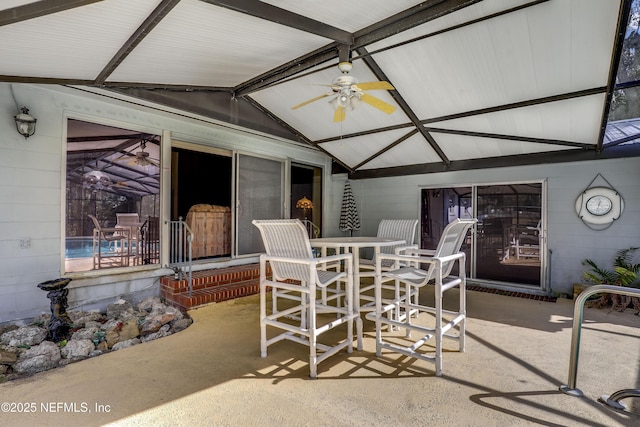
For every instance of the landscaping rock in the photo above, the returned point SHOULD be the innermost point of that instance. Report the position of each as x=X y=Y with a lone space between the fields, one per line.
x=8 y=355
x=120 y=330
x=24 y=337
x=38 y=358
x=148 y=303
x=7 y=328
x=117 y=309
x=153 y=324
x=81 y=318
x=77 y=349
x=162 y=332
x=125 y=344
x=85 y=333
x=24 y=349
x=180 y=324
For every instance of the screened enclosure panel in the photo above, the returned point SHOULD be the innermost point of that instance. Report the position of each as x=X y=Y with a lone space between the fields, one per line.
x=260 y=196
x=509 y=235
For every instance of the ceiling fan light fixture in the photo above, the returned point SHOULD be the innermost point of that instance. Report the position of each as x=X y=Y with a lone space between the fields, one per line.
x=347 y=94
x=96 y=180
x=345 y=66
x=355 y=102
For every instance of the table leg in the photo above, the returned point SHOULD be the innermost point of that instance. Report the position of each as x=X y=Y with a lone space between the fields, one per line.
x=355 y=251
x=377 y=281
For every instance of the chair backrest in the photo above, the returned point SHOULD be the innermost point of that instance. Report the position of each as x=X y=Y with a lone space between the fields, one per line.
x=286 y=238
x=96 y=224
x=127 y=219
x=450 y=243
x=404 y=229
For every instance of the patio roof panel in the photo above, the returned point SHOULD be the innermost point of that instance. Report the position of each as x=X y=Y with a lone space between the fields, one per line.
x=194 y=27
x=76 y=43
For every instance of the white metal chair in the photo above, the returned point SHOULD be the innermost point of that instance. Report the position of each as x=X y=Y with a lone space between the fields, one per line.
x=131 y=222
x=404 y=229
x=112 y=236
x=295 y=270
x=525 y=242
x=439 y=265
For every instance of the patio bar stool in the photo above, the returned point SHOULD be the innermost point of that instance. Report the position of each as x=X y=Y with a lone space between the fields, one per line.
x=408 y=270
x=295 y=269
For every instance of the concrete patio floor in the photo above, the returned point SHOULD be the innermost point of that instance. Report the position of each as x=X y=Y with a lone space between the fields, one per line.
x=211 y=374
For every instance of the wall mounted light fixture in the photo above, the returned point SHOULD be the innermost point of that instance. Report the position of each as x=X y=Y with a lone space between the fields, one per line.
x=25 y=123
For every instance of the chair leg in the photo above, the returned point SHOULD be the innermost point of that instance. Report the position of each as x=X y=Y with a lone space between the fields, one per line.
x=313 y=339
x=407 y=309
x=438 y=314
x=349 y=306
x=263 y=311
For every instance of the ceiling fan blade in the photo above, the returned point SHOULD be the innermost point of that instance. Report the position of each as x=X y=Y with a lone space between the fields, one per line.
x=382 y=85
x=124 y=157
x=378 y=103
x=309 y=101
x=340 y=115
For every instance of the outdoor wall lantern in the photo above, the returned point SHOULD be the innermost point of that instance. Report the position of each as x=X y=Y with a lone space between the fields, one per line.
x=25 y=123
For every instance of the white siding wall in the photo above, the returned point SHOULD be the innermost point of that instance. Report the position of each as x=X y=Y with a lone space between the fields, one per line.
x=569 y=240
x=31 y=179
x=31 y=201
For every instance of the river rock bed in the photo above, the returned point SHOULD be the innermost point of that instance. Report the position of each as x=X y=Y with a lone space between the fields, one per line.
x=25 y=350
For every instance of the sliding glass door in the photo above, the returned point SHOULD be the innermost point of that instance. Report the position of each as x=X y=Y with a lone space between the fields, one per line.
x=509 y=238
x=508 y=246
x=260 y=195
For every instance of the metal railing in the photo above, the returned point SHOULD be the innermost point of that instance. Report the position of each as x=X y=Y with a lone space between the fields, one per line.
x=312 y=230
x=578 y=311
x=181 y=250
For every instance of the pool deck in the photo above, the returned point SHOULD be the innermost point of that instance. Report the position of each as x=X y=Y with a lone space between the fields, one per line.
x=517 y=357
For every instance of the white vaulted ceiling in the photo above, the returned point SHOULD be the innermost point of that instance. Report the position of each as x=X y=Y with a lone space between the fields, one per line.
x=477 y=83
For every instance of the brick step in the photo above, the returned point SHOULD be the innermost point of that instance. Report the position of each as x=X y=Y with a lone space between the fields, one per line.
x=213 y=294
x=211 y=286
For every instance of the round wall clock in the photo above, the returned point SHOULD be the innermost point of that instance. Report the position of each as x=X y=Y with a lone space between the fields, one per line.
x=599 y=206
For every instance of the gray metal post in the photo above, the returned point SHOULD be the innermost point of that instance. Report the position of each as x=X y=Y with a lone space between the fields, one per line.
x=578 y=310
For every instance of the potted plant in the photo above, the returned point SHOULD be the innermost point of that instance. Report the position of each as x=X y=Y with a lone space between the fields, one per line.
x=624 y=273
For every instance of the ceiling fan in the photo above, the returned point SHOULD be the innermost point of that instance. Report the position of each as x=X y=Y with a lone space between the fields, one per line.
x=349 y=93
x=140 y=158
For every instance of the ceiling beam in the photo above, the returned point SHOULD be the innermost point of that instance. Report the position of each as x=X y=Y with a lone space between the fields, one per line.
x=154 y=18
x=45 y=80
x=380 y=75
x=454 y=27
x=402 y=21
x=38 y=9
x=364 y=132
x=295 y=131
x=289 y=69
x=531 y=159
x=284 y=17
x=623 y=19
x=387 y=148
x=513 y=138
x=128 y=136
x=520 y=104
x=407 y=19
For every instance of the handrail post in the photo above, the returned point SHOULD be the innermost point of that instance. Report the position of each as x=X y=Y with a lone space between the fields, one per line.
x=180 y=233
x=578 y=311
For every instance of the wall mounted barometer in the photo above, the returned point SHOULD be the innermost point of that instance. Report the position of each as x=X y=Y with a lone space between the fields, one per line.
x=599 y=207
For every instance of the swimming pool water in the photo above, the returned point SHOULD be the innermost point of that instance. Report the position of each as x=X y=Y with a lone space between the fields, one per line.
x=82 y=247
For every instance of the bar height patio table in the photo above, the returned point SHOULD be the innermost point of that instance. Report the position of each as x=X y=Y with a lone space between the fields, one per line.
x=353 y=245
